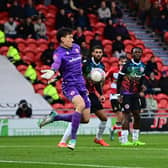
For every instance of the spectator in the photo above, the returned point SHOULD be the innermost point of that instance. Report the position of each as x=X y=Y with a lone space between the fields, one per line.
x=104 y=12
x=30 y=10
x=116 y=12
x=26 y=29
x=16 y=11
x=118 y=47
x=151 y=66
x=163 y=82
x=154 y=14
x=84 y=51
x=152 y=84
x=31 y=74
x=95 y=41
x=61 y=19
x=10 y=28
x=14 y=55
x=40 y=29
x=109 y=31
x=82 y=20
x=162 y=25
x=2 y=35
x=79 y=36
x=120 y=29
x=51 y=94
x=47 y=55
x=24 y=109
x=71 y=23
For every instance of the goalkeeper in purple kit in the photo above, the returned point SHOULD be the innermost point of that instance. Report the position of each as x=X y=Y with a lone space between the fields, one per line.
x=68 y=61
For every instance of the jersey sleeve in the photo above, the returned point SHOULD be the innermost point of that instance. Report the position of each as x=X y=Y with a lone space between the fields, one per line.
x=57 y=61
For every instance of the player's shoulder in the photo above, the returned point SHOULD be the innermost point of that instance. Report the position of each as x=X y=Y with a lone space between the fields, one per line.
x=74 y=45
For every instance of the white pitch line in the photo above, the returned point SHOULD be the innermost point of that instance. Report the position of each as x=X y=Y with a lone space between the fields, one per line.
x=86 y=147
x=63 y=164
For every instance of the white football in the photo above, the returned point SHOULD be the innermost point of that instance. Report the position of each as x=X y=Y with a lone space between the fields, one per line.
x=97 y=75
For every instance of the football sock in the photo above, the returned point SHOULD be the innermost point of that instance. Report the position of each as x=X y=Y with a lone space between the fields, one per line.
x=76 y=117
x=124 y=136
x=101 y=129
x=135 y=134
x=67 y=133
x=65 y=117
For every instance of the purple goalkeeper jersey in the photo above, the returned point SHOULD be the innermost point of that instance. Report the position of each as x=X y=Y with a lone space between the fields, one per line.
x=69 y=63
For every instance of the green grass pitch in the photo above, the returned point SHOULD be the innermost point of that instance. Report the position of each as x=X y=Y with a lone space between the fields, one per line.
x=42 y=152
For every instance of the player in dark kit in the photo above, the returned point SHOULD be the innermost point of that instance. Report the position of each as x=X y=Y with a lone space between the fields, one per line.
x=129 y=85
x=67 y=59
x=96 y=99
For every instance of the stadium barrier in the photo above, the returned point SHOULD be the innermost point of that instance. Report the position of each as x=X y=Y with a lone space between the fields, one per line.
x=152 y=121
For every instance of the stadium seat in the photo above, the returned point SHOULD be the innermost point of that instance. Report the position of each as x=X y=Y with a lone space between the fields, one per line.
x=93 y=19
x=42 y=8
x=3 y=50
x=21 y=68
x=31 y=43
x=99 y=26
x=129 y=44
x=139 y=43
x=88 y=35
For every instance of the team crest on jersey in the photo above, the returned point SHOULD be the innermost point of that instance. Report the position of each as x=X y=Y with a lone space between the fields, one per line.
x=72 y=93
x=126 y=106
x=77 y=50
x=55 y=56
x=142 y=69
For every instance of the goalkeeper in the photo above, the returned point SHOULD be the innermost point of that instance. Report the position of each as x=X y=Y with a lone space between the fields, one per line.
x=67 y=59
x=95 y=98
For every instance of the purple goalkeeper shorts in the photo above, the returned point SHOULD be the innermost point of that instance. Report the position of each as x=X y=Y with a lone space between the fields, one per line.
x=71 y=91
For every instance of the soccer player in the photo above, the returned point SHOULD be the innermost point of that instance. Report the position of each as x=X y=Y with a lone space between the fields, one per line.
x=115 y=98
x=129 y=85
x=67 y=59
x=96 y=99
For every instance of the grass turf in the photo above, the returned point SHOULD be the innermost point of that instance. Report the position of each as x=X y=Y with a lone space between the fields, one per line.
x=42 y=152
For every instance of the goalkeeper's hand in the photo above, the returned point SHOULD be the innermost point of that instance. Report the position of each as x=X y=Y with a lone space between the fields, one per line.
x=47 y=73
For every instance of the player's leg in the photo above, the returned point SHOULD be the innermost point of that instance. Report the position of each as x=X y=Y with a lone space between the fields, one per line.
x=136 y=124
x=97 y=108
x=125 y=124
x=116 y=108
x=65 y=137
x=103 y=120
x=79 y=105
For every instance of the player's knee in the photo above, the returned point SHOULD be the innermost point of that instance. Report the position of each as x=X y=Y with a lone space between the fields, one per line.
x=80 y=106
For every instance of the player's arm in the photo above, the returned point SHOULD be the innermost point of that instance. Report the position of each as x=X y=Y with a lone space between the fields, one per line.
x=120 y=77
x=49 y=73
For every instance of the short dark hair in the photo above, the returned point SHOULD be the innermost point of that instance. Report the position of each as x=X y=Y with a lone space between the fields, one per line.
x=62 y=33
x=123 y=57
x=97 y=47
x=136 y=48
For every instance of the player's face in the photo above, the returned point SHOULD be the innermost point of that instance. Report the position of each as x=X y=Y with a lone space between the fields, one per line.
x=97 y=54
x=122 y=61
x=137 y=53
x=67 y=41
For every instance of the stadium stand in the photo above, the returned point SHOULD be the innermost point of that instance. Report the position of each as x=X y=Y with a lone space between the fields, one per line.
x=15 y=87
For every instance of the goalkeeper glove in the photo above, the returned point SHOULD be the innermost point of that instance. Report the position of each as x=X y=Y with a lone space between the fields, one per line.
x=47 y=73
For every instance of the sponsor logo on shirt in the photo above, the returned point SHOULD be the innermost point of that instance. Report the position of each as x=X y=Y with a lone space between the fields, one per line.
x=75 y=59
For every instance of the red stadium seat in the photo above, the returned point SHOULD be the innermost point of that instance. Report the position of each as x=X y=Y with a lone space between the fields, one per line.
x=99 y=26
x=3 y=50
x=31 y=43
x=21 y=68
x=139 y=43
x=88 y=35
x=93 y=19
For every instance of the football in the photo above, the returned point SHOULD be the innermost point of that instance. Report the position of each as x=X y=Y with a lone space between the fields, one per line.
x=97 y=75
